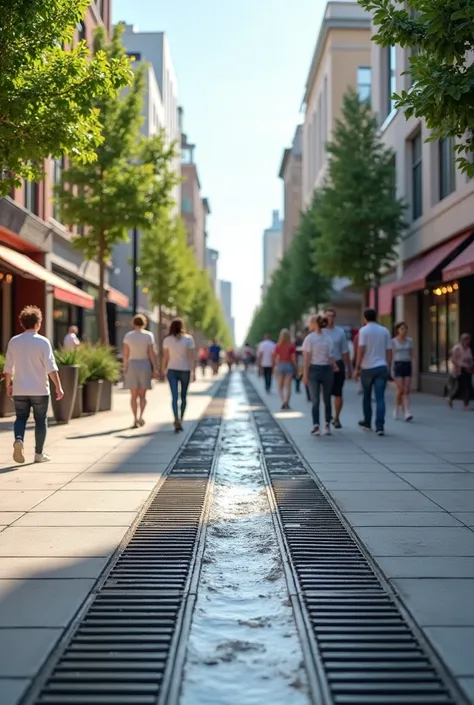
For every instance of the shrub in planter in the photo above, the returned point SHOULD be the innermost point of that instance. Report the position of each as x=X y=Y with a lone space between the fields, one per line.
x=102 y=367
x=7 y=407
x=68 y=367
x=78 y=404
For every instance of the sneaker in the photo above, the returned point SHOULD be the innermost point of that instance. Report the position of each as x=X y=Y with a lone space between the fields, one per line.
x=315 y=431
x=380 y=432
x=18 y=454
x=42 y=458
x=408 y=416
x=327 y=430
x=365 y=426
x=395 y=414
x=337 y=423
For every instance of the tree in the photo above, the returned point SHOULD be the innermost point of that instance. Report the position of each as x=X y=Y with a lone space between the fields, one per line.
x=204 y=312
x=127 y=185
x=356 y=210
x=166 y=264
x=440 y=37
x=48 y=95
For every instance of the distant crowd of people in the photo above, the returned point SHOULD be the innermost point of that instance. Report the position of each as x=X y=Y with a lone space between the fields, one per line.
x=320 y=360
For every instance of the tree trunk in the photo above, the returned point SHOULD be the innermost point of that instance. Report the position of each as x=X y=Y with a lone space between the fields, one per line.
x=160 y=335
x=102 y=317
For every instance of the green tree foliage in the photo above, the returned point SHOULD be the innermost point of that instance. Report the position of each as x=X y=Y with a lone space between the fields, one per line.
x=127 y=185
x=167 y=266
x=439 y=34
x=357 y=212
x=204 y=312
x=48 y=96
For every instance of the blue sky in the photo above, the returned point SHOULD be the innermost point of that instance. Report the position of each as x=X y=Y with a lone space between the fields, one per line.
x=241 y=69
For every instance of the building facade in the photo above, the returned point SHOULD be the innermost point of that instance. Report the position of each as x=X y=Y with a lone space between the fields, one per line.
x=341 y=60
x=38 y=263
x=432 y=286
x=272 y=249
x=291 y=173
x=194 y=208
x=212 y=258
x=224 y=289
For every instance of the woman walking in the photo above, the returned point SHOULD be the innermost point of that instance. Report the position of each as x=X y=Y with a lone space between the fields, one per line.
x=284 y=361
x=462 y=363
x=402 y=348
x=318 y=371
x=179 y=365
x=139 y=366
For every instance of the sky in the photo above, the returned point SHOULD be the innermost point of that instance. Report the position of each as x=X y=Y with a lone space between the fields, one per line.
x=241 y=68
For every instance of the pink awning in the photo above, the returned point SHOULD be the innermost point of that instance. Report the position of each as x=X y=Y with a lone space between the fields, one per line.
x=461 y=266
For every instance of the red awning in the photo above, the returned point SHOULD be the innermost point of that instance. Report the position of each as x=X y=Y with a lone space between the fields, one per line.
x=415 y=276
x=462 y=266
x=116 y=297
x=63 y=290
x=385 y=299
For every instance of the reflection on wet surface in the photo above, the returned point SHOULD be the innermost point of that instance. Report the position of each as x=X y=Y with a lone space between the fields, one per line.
x=243 y=647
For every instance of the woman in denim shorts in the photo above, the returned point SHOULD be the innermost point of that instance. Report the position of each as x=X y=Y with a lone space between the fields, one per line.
x=284 y=360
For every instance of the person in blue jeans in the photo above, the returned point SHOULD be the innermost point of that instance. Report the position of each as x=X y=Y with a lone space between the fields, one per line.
x=374 y=358
x=179 y=365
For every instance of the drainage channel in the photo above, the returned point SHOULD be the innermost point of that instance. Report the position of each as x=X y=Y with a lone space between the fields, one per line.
x=126 y=646
x=364 y=646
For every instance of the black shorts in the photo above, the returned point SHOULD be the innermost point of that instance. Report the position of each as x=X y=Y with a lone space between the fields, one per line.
x=339 y=379
x=402 y=369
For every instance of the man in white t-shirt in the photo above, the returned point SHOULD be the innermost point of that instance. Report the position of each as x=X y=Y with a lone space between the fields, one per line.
x=71 y=341
x=265 y=360
x=374 y=358
x=29 y=365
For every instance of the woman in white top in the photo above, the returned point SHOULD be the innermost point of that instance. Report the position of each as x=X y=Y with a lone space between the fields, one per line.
x=319 y=366
x=179 y=365
x=402 y=349
x=139 y=365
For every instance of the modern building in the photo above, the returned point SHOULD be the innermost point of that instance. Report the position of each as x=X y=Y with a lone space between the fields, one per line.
x=38 y=263
x=341 y=60
x=291 y=173
x=225 y=297
x=432 y=286
x=212 y=258
x=272 y=249
x=194 y=208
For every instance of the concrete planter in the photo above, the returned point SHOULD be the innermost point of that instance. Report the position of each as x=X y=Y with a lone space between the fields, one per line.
x=7 y=407
x=69 y=376
x=91 y=399
x=77 y=410
x=106 y=396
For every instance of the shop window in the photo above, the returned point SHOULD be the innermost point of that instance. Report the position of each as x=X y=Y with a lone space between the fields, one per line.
x=417 y=176
x=441 y=326
x=447 y=167
x=30 y=189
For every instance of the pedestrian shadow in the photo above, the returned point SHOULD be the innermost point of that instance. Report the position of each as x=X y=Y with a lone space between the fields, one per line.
x=101 y=433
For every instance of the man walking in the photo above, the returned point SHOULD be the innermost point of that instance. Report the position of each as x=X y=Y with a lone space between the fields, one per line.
x=29 y=364
x=374 y=358
x=265 y=360
x=343 y=362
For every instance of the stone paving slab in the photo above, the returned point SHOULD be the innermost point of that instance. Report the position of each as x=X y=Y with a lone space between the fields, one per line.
x=418 y=535
x=63 y=520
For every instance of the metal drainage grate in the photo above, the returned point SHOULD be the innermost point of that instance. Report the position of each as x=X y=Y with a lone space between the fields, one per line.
x=122 y=650
x=364 y=649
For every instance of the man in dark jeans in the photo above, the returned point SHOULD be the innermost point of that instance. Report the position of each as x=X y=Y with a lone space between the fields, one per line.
x=374 y=357
x=29 y=365
x=265 y=360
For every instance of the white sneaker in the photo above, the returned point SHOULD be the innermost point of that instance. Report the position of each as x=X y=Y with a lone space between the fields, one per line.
x=315 y=431
x=18 y=454
x=42 y=458
x=395 y=414
x=408 y=416
x=327 y=430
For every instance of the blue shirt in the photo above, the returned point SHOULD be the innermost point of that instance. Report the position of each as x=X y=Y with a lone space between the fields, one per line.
x=215 y=352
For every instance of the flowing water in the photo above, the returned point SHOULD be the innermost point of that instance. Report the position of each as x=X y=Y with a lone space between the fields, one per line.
x=243 y=647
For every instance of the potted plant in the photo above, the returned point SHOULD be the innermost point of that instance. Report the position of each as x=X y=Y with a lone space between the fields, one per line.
x=68 y=368
x=7 y=407
x=111 y=374
x=78 y=404
x=93 y=358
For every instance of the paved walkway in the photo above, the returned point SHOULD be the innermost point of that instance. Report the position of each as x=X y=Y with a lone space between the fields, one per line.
x=410 y=498
x=60 y=522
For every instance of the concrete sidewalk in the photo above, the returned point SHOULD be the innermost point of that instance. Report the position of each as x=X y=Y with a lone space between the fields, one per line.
x=410 y=498
x=60 y=522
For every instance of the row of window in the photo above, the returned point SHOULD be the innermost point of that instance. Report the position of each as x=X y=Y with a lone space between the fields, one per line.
x=446 y=172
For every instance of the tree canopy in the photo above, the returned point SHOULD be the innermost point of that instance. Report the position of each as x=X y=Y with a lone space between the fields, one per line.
x=357 y=212
x=439 y=35
x=48 y=95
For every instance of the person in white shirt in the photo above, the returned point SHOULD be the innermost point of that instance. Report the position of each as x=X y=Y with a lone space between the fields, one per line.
x=29 y=365
x=179 y=365
x=140 y=364
x=265 y=360
x=71 y=341
x=374 y=358
x=319 y=367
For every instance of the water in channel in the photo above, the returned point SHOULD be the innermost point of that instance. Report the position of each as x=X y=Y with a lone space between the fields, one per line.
x=243 y=647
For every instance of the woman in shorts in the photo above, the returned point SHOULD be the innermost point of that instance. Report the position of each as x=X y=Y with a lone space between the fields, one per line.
x=402 y=347
x=139 y=366
x=284 y=361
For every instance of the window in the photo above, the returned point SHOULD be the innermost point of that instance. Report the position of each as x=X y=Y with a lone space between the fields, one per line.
x=100 y=7
x=447 y=167
x=417 y=176
x=364 y=83
x=441 y=326
x=391 y=77
x=81 y=31
x=31 y=196
x=187 y=205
